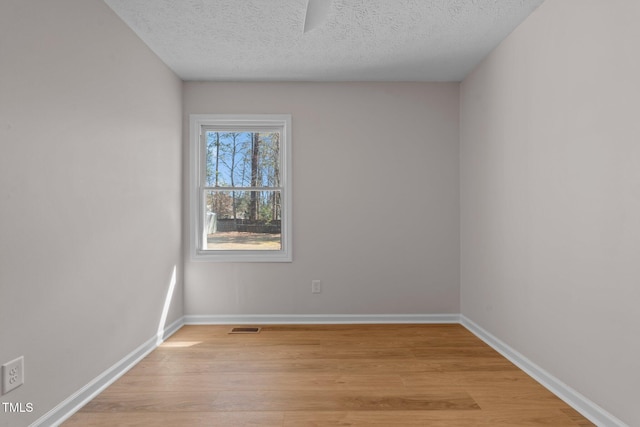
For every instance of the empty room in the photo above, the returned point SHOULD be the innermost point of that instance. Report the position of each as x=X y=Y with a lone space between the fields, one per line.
x=319 y=212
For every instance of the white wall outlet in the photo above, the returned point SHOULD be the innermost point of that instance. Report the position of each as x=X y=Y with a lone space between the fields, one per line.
x=316 y=286
x=12 y=374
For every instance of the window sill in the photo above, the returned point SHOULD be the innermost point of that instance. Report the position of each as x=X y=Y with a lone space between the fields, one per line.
x=241 y=256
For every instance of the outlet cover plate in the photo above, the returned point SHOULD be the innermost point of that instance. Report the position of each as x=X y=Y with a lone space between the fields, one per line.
x=316 y=286
x=12 y=374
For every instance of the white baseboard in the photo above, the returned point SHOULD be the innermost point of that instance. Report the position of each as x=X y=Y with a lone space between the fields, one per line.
x=577 y=401
x=173 y=328
x=73 y=403
x=305 y=319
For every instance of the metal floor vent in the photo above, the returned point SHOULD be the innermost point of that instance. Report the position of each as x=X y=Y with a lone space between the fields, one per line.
x=244 y=331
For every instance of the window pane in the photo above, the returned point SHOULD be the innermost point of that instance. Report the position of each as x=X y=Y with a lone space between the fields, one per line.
x=242 y=159
x=243 y=220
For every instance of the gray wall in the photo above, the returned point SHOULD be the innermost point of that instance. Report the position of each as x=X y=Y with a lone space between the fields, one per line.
x=90 y=185
x=372 y=154
x=550 y=211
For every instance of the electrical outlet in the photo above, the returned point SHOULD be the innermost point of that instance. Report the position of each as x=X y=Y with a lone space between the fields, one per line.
x=316 y=286
x=12 y=374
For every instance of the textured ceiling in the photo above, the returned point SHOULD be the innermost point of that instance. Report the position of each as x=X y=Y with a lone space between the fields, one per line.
x=359 y=40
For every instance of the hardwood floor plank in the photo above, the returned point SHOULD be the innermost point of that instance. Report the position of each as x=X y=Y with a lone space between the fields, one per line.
x=268 y=400
x=468 y=378
x=154 y=402
x=362 y=366
x=177 y=419
x=453 y=352
x=281 y=353
x=261 y=381
x=428 y=418
x=336 y=400
x=576 y=417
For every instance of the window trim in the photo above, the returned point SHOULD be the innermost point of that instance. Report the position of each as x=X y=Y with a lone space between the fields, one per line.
x=196 y=153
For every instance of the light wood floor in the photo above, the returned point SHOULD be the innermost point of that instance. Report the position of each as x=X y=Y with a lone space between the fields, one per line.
x=326 y=375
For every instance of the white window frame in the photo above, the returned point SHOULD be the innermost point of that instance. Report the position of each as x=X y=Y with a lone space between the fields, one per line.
x=197 y=173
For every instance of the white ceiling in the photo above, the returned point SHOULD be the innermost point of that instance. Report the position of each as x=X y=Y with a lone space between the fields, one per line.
x=358 y=40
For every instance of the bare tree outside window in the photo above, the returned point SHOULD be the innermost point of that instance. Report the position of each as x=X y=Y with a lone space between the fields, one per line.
x=243 y=195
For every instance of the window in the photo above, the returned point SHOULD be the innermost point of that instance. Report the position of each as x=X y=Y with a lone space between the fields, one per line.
x=240 y=187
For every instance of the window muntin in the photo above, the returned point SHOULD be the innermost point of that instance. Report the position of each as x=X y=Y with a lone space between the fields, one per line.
x=240 y=188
